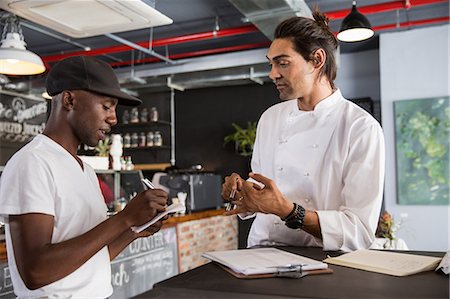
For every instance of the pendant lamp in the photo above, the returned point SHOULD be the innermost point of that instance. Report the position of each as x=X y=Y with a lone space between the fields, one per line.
x=15 y=59
x=355 y=27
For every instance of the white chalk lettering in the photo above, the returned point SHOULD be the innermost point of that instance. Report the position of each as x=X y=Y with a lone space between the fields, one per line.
x=10 y=127
x=31 y=112
x=121 y=277
x=29 y=129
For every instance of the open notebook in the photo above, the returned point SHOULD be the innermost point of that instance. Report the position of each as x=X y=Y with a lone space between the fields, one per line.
x=265 y=261
x=391 y=263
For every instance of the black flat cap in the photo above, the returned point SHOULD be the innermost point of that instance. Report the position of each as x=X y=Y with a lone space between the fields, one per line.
x=87 y=73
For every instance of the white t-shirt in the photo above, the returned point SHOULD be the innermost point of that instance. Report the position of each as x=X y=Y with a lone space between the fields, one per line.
x=43 y=177
x=330 y=160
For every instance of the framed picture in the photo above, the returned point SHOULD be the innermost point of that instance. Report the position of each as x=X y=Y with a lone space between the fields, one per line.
x=422 y=134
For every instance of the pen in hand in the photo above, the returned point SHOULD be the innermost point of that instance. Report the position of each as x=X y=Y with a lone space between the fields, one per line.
x=148 y=183
x=229 y=206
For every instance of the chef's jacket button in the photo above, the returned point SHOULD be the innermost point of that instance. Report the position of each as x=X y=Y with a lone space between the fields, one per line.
x=280 y=168
x=283 y=141
x=315 y=146
x=306 y=173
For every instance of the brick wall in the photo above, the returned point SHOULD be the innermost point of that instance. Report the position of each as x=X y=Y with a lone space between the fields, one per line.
x=207 y=234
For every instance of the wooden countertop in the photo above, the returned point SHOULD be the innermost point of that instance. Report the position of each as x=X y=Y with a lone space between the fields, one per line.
x=193 y=216
x=168 y=223
x=3 y=251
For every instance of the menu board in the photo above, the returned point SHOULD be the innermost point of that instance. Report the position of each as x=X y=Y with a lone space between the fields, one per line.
x=143 y=263
x=21 y=117
x=6 y=287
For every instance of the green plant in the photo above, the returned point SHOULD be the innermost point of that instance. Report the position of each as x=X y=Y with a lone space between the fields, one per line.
x=243 y=138
x=102 y=148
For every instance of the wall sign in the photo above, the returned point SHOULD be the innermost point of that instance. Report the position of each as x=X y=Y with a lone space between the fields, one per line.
x=6 y=287
x=21 y=117
x=143 y=263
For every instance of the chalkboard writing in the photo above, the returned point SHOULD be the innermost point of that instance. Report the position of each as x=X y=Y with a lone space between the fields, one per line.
x=6 y=287
x=21 y=117
x=145 y=262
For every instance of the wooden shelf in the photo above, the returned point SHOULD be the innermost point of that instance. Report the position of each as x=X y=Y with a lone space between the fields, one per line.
x=156 y=166
x=150 y=123
x=163 y=147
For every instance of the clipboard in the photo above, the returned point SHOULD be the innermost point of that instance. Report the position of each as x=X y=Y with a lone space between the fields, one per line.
x=292 y=274
x=266 y=262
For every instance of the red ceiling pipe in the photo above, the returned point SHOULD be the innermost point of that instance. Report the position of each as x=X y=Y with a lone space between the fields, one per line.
x=412 y=23
x=409 y=24
x=196 y=53
x=382 y=7
x=376 y=8
x=158 y=43
x=266 y=44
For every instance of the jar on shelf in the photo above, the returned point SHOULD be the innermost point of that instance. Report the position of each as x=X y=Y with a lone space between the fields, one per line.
x=126 y=117
x=127 y=140
x=141 y=141
x=143 y=116
x=157 y=139
x=150 y=137
x=134 y=116
x=134 y=140
x=154 y=115
x=128 y=164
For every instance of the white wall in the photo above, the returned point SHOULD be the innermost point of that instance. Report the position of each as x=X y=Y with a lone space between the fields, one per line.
x=414 y=64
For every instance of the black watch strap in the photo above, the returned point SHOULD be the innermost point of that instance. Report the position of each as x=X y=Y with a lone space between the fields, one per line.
x=296 y=217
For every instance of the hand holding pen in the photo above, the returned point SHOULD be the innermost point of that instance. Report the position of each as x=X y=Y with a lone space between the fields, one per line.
x=230 y=188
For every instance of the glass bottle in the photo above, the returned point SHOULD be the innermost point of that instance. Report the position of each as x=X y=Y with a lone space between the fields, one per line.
x=129 y=164
x=134 y=117
x=150 y=137
x=125 y=117
x=154 y=114
x=141 y=142
x=134 y=140
x=127 y=140
x=157 y=139
x=143 y=116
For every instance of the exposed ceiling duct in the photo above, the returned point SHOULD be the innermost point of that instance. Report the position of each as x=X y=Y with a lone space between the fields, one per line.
x=267 y=14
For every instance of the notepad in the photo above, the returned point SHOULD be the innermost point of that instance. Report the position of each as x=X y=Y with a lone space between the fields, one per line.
x=391 y=263
x=173 y=208
x=262 y=260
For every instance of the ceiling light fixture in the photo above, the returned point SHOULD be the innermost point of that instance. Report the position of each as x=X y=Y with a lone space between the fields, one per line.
x=15 y=59
x=355 y=27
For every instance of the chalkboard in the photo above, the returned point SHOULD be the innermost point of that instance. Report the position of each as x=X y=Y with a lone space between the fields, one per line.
x=143 y=263
x=21 y=118
x=6 y=287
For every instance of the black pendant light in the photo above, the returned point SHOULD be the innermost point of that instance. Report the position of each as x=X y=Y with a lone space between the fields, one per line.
x=355 y=27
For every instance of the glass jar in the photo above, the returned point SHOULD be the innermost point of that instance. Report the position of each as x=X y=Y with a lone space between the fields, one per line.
x=129 y=164
x=134 y=140
x=134 y=116
x=154 y=115
x=125 y=117
x=143 y=116
x=141 y=142
x=150 y=137
x=157 y=139
x=127 y=140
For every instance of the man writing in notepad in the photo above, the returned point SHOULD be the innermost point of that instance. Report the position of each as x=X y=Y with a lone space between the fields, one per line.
x=319 y=156
x=58 y=238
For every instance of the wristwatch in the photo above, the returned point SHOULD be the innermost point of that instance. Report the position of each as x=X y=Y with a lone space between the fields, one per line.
x=296 y=217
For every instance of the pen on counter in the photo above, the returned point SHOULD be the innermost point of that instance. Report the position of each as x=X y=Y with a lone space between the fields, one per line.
x=148 y=183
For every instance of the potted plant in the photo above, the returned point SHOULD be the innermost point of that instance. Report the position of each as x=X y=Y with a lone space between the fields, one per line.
x=101 y=159
x=243 y=138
